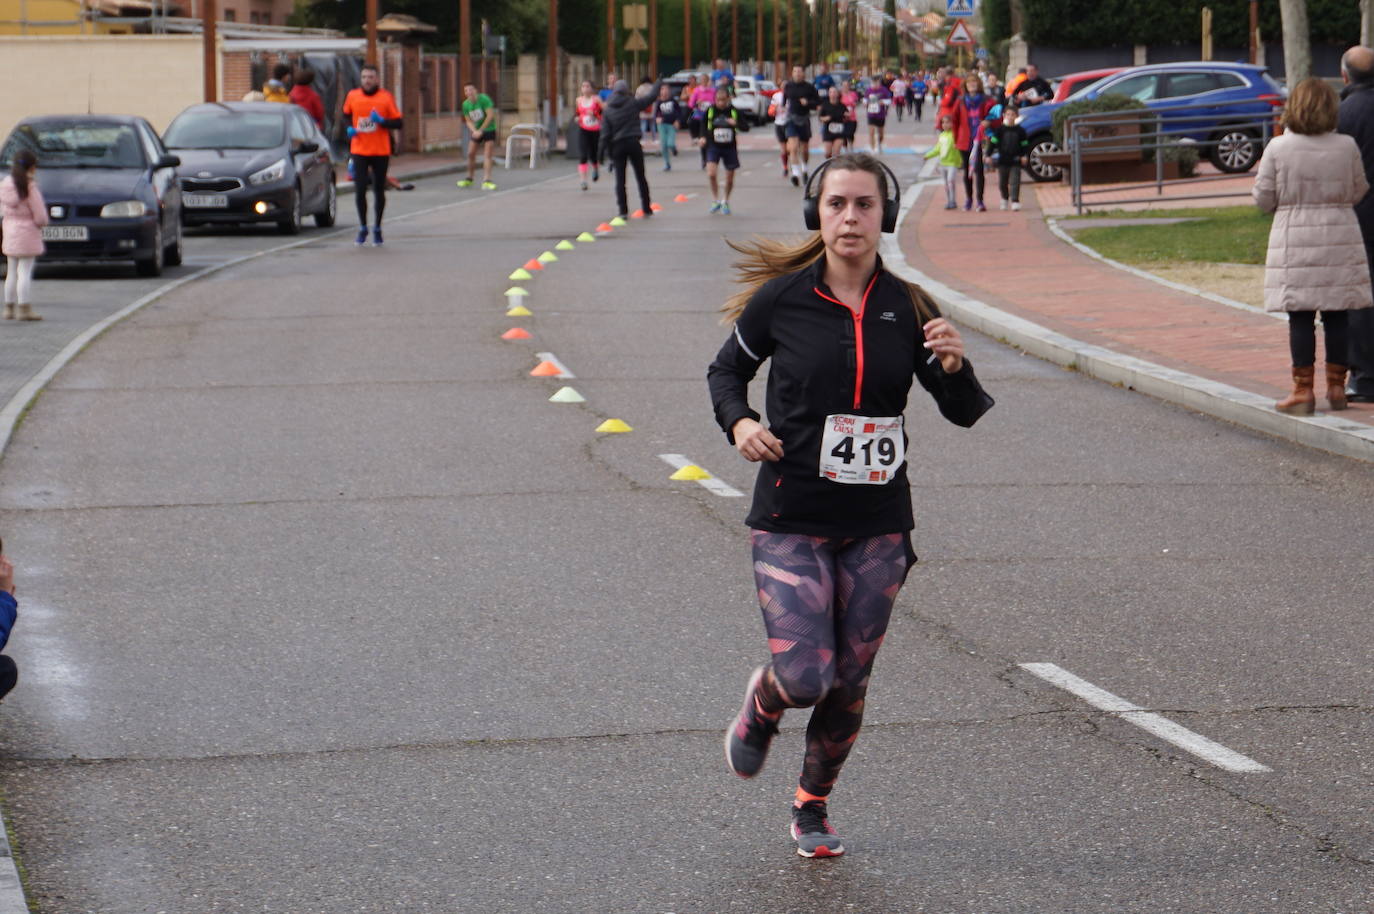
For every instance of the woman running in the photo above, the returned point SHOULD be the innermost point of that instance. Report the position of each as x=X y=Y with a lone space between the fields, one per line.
x=850 y=99
x=832 y=115
x=831 y=515
x=702 y=98
x=720 y=139
x=778 y=108
x=876 y=102
x=589 y=109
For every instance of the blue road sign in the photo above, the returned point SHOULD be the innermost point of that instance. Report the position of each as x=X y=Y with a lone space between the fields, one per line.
x=959 y=8
x=981 y=52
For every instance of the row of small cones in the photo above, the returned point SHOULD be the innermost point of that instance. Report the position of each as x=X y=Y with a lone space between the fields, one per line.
x=547 y=368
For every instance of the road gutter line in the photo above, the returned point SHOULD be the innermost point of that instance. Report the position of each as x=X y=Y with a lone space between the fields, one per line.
x=1211 y=752
x=14 y=409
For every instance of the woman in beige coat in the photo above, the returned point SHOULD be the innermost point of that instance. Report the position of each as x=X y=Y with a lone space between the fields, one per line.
x=1311 y=178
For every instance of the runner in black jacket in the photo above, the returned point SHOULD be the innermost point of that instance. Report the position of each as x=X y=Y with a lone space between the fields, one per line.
x=831 y=515
x=620 y=133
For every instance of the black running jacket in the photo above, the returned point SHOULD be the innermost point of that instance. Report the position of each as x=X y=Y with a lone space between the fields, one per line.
x=828 y=360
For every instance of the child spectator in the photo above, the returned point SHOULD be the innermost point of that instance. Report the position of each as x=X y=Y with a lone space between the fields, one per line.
x=1009 y=145
x=946 y=154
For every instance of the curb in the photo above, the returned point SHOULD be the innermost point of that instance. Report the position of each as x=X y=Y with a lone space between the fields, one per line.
x=1058 y=232
x=1214 y=398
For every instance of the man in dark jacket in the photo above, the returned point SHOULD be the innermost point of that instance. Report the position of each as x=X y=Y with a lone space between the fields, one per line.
x=1357 y=121
x=620 y=133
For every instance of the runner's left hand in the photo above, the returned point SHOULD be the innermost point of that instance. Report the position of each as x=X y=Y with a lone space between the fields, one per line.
x=944 y=340
x=376 y=118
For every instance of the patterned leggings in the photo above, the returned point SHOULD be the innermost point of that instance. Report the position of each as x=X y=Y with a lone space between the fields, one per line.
x=826 y=603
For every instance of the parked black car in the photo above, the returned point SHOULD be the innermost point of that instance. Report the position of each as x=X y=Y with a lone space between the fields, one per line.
x=110 y=186
x=252 y=162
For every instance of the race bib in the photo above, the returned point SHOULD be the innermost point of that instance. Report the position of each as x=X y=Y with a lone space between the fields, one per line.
x=724 y=135
x=589 y=121
x=861 y=450
x=875 y=107
x=477 y=117
x=835 y=128
x=366 y=125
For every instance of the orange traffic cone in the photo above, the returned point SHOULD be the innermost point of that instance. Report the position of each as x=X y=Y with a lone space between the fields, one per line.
x=656 y=207
x=516 y=333
x=545 y=369
x=604 y=227
x=637 y=214
x=534 y=265
x=680 y=198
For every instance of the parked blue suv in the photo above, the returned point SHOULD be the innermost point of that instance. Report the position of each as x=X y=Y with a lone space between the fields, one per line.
x=1238 y=92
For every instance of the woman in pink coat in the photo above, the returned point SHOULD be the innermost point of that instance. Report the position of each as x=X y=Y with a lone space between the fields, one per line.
x=1311 y=178
x=24 y=216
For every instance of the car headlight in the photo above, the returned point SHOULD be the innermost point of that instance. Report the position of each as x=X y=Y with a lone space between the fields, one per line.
x=123 y=209
x=274 y=172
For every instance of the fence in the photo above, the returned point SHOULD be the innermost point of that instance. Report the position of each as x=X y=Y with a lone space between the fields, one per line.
x=1155 y=137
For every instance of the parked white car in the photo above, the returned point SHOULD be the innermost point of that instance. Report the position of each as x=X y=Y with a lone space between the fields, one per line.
x=752 y=96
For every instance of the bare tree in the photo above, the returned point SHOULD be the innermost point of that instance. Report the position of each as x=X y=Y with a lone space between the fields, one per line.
x=1297 y=41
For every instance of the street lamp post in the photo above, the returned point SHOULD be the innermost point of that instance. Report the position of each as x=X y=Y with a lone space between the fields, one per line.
x=686 y=34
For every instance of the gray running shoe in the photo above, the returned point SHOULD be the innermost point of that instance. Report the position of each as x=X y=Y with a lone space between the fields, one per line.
x=812 y=831
x=747 y=739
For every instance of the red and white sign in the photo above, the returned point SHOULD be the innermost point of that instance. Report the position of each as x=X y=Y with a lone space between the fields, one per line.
x=959 y=34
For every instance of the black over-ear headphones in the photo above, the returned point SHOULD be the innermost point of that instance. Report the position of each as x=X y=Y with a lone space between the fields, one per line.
x=811 y=206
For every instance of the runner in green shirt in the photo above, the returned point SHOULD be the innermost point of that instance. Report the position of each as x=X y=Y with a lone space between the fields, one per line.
x=480 y=114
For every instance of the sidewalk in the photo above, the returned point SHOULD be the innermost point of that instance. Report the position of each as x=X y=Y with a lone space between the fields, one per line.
x=997 y=270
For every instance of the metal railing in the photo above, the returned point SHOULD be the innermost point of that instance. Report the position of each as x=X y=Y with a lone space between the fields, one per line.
x=1116 y=136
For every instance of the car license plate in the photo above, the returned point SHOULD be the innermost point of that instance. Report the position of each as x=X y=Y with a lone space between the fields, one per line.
x=66 y=233
x=205 y=201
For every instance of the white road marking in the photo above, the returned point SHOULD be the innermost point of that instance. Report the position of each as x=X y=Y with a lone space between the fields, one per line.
x=1204 y=748
x=678 y=461
x=563 y=372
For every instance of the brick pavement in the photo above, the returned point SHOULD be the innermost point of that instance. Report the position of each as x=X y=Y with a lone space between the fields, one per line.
x=1011 y=261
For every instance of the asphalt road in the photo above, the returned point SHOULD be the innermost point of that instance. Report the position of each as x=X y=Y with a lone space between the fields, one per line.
x=326 y=608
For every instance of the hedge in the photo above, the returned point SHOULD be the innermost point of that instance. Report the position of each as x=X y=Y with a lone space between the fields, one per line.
x=1094 y=23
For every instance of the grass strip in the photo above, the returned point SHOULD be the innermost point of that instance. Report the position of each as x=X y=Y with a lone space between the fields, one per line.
x=1227 y=234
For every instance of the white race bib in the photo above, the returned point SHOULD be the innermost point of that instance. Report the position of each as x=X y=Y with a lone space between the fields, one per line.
x=834 y=127
x=875 y=107
x=590 y=121
x=861 y=450
x=723 y=135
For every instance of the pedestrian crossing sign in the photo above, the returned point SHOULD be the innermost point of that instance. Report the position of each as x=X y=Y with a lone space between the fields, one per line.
x=959 y=34
x=959 y=7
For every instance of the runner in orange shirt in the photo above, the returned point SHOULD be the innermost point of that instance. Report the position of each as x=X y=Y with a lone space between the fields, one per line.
x=371 y=114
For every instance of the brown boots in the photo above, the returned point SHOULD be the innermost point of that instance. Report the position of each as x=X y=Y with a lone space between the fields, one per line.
x=1335 y=386
x=1303 y=400
x=25 y=313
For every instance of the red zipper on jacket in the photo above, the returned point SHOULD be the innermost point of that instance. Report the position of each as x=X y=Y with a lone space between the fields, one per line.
x=858 y=334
